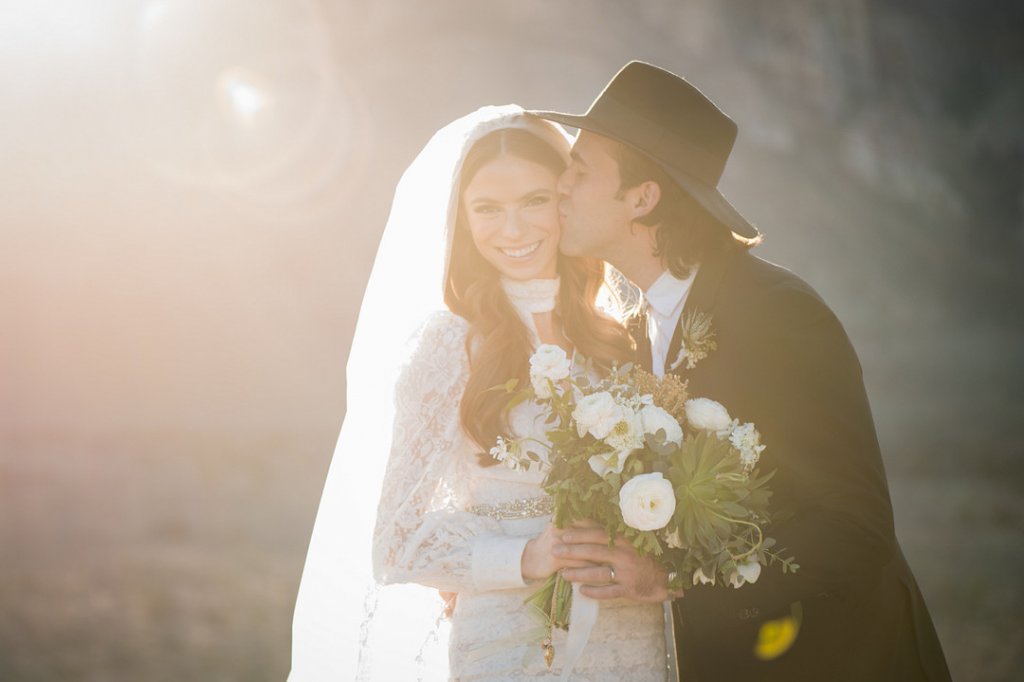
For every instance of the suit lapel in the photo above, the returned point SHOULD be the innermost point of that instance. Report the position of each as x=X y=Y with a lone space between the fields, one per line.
x=701 y=298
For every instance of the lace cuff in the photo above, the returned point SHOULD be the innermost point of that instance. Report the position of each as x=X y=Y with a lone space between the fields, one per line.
x=497 y=562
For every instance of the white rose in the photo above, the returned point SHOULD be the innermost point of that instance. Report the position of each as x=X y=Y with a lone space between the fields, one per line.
x=655 y=418
x=747 y=440
x=548 y=364
x=647 y=501
x=707 y=415
x=597 y=413
x=699 y=577
x=628 y=433
x=747 y=572
x=608 y=462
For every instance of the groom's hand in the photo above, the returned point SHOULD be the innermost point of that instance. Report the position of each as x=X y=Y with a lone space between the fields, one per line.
x=620 y=572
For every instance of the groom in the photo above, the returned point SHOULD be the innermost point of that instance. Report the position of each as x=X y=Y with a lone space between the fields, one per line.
x=641 y=194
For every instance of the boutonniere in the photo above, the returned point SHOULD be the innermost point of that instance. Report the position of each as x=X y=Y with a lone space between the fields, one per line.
x=698 y=339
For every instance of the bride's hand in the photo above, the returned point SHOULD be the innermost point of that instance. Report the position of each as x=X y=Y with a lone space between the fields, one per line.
x=538 y=561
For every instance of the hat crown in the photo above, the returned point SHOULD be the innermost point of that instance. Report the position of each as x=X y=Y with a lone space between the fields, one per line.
x=672 y=123
x=674 y=115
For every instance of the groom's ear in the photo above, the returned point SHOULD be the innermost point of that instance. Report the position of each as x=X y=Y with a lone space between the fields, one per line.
x=645 y=198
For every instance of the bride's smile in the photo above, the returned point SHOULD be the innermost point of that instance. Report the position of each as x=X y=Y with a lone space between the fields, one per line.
x=522 y=252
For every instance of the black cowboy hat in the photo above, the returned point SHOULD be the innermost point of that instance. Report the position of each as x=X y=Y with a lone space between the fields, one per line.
x=664 y=117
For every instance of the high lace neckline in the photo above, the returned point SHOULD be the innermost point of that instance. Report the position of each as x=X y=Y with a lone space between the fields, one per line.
x=532 y=295
x=529 y=297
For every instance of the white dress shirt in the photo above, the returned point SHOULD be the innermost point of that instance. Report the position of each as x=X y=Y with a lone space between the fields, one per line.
x=665 y=300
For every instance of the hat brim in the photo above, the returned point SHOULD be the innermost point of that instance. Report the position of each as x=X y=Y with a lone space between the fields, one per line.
x=707 y=196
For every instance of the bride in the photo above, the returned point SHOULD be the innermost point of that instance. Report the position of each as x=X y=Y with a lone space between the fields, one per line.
x=470 y=257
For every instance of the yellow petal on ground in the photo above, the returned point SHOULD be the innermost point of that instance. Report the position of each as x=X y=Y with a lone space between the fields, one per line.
x=776 y=637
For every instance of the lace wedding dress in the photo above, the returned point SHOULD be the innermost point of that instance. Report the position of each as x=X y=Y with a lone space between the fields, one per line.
x=447 y=522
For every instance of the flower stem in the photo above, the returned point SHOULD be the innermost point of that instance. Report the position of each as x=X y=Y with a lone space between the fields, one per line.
x=760 y=535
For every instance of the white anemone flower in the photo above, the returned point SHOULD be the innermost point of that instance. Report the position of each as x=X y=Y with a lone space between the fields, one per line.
x=747 y=572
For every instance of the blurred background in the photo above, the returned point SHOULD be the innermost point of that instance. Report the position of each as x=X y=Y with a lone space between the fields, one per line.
x=191 y=194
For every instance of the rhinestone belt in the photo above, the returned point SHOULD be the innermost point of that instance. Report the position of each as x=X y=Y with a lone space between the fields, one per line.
x=526 y=508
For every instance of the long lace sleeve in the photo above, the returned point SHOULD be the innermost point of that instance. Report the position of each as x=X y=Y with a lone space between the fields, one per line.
x=422 y=534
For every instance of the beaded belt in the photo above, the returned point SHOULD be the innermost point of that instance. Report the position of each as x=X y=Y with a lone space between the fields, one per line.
x=526 y=508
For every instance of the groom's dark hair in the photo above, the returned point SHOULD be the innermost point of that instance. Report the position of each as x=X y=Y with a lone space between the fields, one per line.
x=687 y=233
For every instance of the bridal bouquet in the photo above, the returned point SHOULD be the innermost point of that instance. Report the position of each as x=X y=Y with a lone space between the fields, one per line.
x=676 y=476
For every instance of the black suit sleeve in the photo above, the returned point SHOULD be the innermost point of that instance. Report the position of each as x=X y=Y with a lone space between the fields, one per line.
x=802 y=386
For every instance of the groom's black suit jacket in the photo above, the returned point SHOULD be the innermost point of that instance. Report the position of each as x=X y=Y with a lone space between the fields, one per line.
x=785 y=363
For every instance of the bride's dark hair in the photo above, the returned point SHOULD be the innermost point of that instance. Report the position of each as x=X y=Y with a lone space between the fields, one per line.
x=498 y=343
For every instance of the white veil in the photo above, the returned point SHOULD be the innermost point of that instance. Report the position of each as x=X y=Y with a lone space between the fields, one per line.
x=345 y=627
